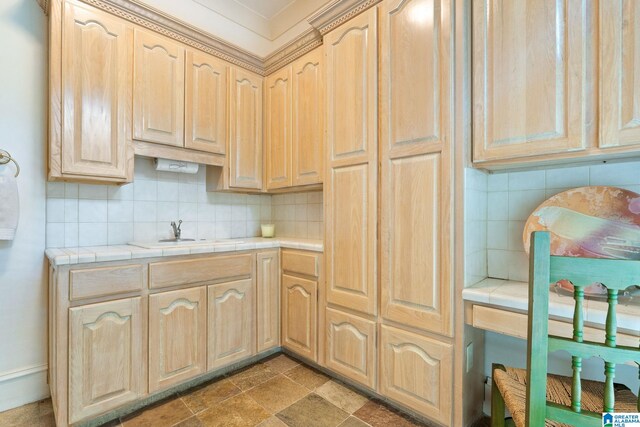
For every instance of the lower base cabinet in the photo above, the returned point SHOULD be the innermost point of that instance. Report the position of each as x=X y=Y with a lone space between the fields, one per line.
x=350 y=346
x=105 y=355
x=299 y=315
x=231 y=324
x=416 y=372
x=177 y=336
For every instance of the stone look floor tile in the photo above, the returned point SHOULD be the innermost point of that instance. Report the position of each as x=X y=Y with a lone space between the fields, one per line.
x=272 y=421
x=190 y=422
x=379 y=415
x=277 y=393
x=313 y=411
x=353 y=422
x=207 y=396
x=341 y=396
x=253 y=376
x=308 y=377
x=38 y=414
x=281 y=363
x=166 y=413
x=238 y=411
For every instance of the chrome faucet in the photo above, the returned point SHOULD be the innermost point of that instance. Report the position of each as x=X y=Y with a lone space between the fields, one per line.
x=176 y=229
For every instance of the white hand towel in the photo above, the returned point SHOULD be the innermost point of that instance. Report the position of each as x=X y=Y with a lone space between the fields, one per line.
x=9 y=203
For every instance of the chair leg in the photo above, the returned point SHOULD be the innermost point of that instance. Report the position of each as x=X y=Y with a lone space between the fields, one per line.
x=497 y=401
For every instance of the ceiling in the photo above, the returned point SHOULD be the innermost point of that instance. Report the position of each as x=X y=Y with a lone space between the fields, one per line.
x=259 y=26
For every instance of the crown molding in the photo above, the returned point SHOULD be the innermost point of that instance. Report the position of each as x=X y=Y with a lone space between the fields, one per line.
x=323 y=21
x=44 y=5
x=337 y=12
x=293 y=50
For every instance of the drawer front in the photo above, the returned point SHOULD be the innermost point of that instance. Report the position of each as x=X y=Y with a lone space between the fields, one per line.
x=104 y=281
x=301 y=263
x=416 y=371
x=350 y=348
x=184 y=272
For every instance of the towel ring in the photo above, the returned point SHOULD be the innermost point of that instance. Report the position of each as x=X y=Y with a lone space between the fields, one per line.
x=5 y=158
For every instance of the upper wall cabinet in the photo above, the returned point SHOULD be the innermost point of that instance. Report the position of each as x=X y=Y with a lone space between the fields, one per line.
x=90 y=84
x=158 y=89
x=245 y=130
x=531 y=78
x=351 y=183
x=278 y=129
x=294 y=129
x=619 y=73
x=416 y=167
x=308 y=119
x=205 y=103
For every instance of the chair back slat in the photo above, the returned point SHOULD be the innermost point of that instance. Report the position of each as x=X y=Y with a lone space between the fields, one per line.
x=576 y=361
x=612 y=321
x=613 y=273
x=619 y=355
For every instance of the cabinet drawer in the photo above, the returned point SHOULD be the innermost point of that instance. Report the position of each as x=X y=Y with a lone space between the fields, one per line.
x=184 y=272
x=300 y=262
x=351 y=346
x=99 y=282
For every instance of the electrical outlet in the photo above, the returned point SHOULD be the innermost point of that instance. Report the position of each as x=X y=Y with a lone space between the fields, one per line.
x=469 y=357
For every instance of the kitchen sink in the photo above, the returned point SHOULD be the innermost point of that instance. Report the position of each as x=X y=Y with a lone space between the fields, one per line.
x=173 y=243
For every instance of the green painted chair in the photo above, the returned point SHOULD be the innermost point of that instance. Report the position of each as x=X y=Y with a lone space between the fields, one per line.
x=536 y=398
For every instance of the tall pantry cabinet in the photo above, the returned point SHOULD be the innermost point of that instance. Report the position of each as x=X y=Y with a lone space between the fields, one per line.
x=388 y=238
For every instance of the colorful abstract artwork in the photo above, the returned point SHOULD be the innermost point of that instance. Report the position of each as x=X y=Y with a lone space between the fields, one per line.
x=591 y=222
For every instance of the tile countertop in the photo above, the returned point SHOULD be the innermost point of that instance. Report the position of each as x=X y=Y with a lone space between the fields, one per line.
x=65 y=256
x=514 y=296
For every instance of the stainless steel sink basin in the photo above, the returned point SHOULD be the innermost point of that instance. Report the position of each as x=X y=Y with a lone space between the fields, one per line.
x=172 y=243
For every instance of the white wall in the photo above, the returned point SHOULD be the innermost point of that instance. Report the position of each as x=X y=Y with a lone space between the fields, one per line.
x=23 y=296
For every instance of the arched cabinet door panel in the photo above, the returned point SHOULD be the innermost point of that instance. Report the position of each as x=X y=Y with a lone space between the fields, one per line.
x=177 y=336
x=278 y=135
x=299 y=314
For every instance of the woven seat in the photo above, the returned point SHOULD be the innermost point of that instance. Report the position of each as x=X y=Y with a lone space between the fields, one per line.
x=512 y=383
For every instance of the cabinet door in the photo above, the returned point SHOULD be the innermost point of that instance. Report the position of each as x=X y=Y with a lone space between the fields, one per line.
x=245 y=130
x=351 y=183
x=350 y=346
x=308 y=119
x=105 y=357
x=530 y=78
x=299 y=314
x=97 y=56
x=205 y=103
x=415 y=371
x=158 y=89
x=619 y=73
x=231 y=327
x=278 y=129
x=177 y=336
x=416 y=169
x=268 y=291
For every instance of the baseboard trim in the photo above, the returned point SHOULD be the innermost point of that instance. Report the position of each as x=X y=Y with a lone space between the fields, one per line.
x=22 y=372
x=22 y=386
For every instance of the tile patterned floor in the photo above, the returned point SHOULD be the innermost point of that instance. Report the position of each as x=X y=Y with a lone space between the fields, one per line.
x=271 y=393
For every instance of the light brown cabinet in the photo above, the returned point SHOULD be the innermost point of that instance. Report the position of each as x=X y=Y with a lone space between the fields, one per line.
x=416 y=165
x=618 y=71
x=294 y=128
x=268 y=300
x=231 y=322
x=533 y=104
x=105 y=355
x=351 y=346
x=90 y=136
x=417 y=372
x=158 y=89
x=299 y=315
x=245 y=130
x=278 y=136
x=351 y=183
x=205 y=103
x=177 y=336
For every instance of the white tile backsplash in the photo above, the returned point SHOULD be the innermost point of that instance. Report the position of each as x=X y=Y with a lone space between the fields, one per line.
x=95 y=215
x=513 y=196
